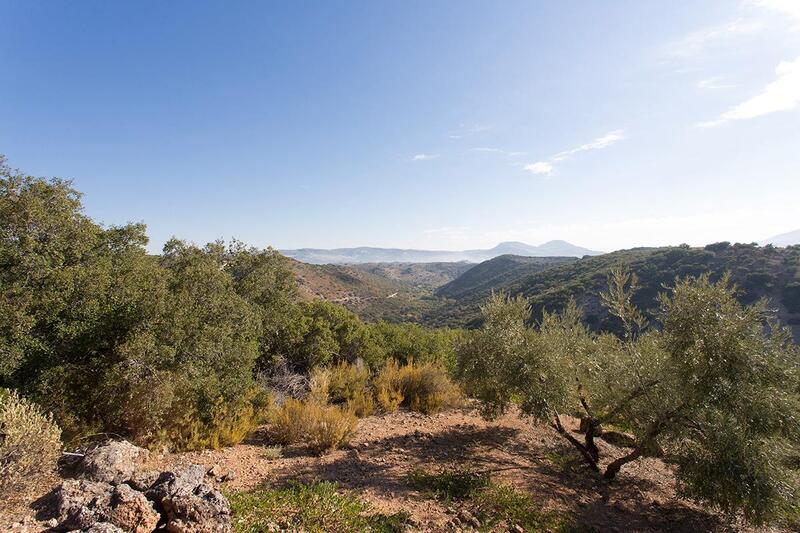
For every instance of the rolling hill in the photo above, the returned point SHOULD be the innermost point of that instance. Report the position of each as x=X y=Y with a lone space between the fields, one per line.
x=398 y=255
x=481 y=279
x=772 y=273
x=369 y=295
x=418 y=275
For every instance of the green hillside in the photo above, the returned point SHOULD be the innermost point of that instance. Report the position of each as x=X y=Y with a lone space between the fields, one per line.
x=478 y=281
x=768 y=272
x=418 y=275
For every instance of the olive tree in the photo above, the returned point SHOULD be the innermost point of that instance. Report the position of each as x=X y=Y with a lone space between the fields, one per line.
x=713 y=385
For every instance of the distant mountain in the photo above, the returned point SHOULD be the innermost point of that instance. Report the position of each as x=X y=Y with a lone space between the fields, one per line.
x=784 y=239
x=364 y=254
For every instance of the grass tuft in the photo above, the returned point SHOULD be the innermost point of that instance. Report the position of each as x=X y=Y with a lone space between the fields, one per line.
x=313 y=508
x=448 y=486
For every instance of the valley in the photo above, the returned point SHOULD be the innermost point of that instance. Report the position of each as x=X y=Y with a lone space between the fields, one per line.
x=450 y=294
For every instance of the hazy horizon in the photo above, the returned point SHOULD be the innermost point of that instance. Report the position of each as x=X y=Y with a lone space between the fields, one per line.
x=430 y=126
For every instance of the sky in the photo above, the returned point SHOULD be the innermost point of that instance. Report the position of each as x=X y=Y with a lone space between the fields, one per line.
x=413 y=124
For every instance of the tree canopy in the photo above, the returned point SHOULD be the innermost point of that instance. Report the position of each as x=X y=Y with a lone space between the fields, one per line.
x=715 y=386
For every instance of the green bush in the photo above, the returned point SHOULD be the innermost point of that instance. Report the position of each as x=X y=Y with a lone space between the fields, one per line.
x=30 y=442
x=498 y=503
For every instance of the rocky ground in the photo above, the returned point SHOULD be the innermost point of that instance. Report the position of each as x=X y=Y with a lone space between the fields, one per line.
x=534 y=460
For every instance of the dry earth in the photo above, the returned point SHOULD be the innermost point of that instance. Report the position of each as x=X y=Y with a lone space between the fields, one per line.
x=530 y=458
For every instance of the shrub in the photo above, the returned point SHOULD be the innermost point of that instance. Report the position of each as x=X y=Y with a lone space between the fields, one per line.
x=362 y=403
x=229 y=424
x=347 y=381
x=349 y=384
x=322 y=427
x=388 y=387
x=319 y=386
x=328 y=426
x=288 y=422
x=29 y=441
x=427 y=388
x=497 y=503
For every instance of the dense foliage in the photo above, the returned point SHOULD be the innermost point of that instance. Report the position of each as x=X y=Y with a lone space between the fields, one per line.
x=161 y=348
x=716 y=387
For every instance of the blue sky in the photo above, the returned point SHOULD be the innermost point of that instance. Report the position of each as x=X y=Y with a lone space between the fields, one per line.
x=442 y=125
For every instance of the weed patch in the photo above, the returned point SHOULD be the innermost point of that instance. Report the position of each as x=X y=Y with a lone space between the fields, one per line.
x=448 y=486
x=316 y=507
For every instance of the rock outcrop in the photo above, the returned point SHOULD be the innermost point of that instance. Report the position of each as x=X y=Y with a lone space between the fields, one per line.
x=113 y=463
x=113 y=495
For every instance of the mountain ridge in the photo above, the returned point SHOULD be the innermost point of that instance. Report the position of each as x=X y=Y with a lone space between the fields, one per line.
x=369 y=254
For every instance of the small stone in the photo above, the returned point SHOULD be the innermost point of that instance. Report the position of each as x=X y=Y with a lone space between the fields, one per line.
x=216 y=471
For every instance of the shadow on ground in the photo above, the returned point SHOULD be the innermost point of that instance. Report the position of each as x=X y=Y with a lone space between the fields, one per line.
x=547 y=469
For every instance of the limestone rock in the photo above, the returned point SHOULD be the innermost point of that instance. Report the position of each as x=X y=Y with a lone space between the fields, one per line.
x=80 y=503
x=113 y=462
x=83 y=504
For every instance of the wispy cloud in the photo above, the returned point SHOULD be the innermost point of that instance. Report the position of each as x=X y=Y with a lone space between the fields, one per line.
x=713 y=83
x=540 y=167
x=469 y=130
x=547 y=166
x=497 y=151
x=783 y=94
x=695 y=42
x=786 y=7
x=424 y=157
